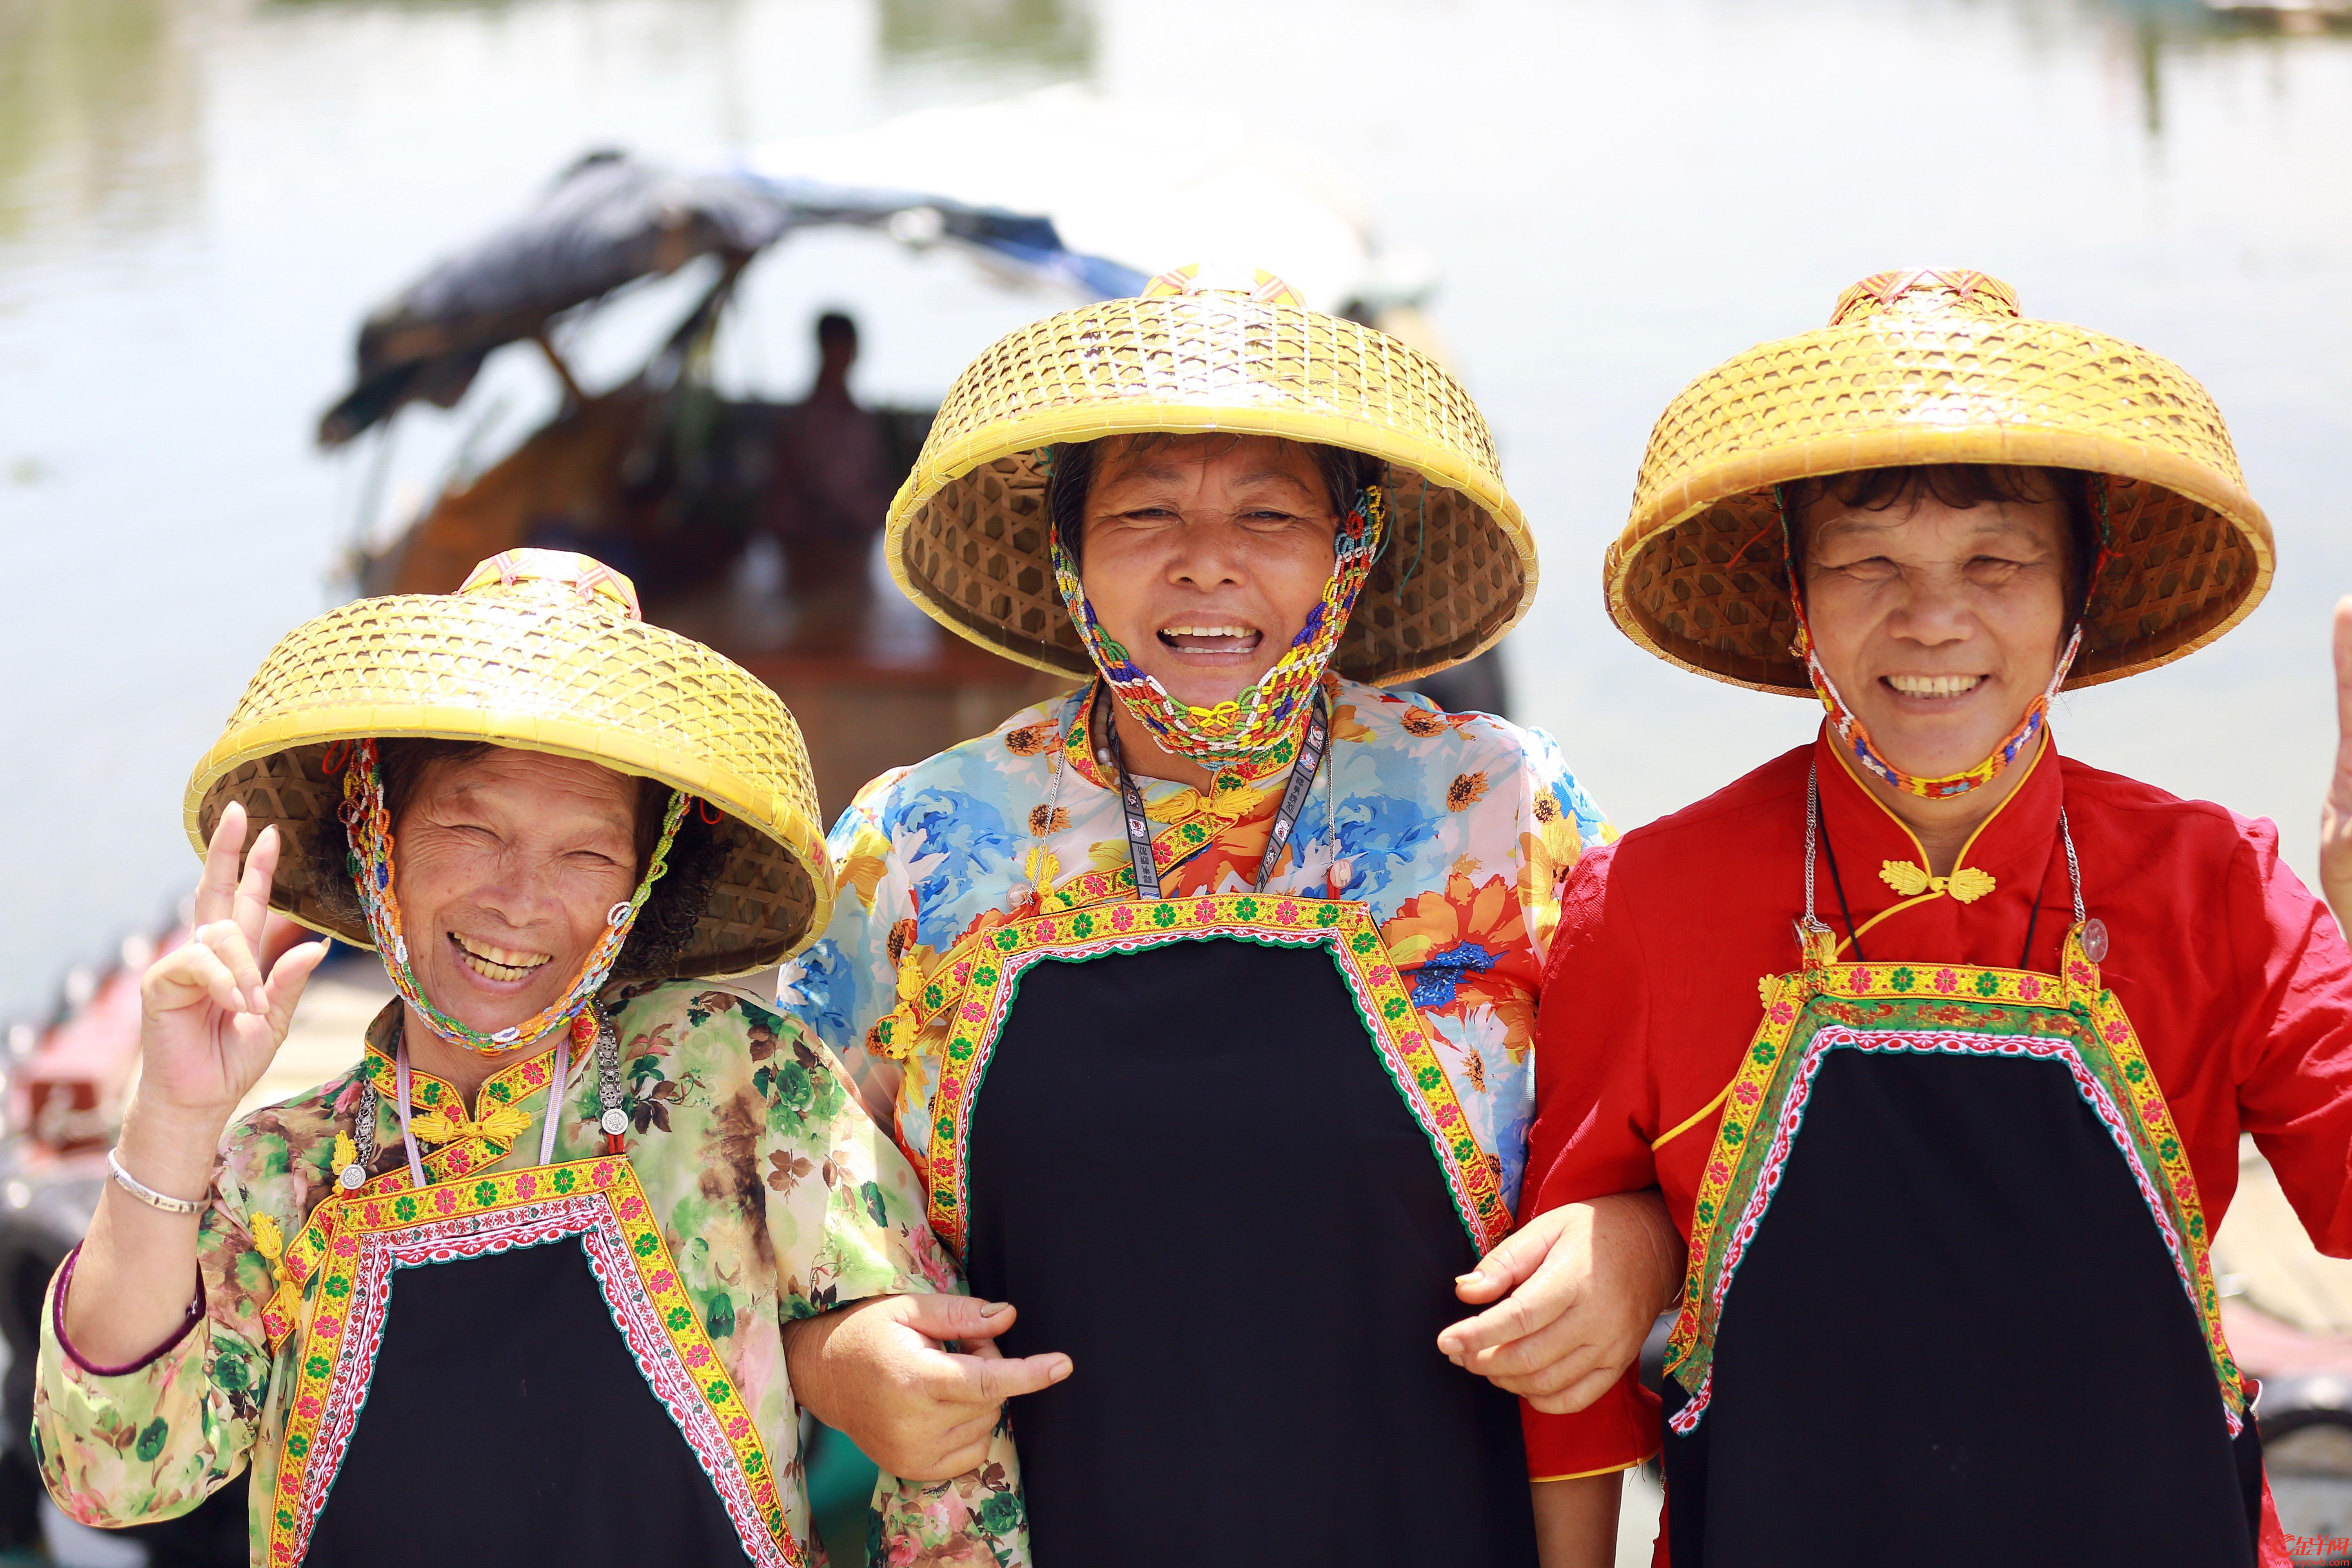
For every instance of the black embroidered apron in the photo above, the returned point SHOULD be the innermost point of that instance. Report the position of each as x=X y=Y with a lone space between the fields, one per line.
x=1230 y=1220
x=1948 y=1299
x=505 y=1421
x=507 y=1368
x=1202 y=1169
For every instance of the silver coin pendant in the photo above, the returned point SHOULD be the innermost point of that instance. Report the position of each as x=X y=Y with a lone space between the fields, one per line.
x=2095 y=940
x=615 y=1122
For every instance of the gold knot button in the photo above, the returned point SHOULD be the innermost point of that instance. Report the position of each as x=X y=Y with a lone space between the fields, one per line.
x=1968 y=884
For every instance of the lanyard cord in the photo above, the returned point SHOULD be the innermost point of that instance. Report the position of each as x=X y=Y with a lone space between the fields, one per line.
x=1311 y=747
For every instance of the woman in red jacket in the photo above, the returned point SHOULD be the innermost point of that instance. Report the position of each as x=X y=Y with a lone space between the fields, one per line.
x=1939 y=1043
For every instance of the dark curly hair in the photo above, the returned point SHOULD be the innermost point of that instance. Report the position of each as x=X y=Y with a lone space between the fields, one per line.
x=672 y=909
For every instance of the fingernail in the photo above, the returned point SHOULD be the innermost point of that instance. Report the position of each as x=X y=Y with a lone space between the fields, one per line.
x=1061 y=1369
x=990 y=1309
x=1470 y=1278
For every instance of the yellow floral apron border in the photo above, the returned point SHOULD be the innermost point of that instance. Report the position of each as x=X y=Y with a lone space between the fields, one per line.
x=958 y=1014
x=387 y=1207
x=2074 y=995
x=291 y=1264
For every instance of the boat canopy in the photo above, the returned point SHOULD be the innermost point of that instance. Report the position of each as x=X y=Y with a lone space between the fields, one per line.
x=611 y=219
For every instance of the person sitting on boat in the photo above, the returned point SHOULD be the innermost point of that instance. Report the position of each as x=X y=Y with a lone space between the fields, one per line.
x=1201 y=996
x=1949 y=1297
x=511 y=1288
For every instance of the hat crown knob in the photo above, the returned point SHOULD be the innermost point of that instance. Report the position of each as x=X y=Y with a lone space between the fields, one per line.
x=1928 y=291
x=1254 y=283
x=588 y=578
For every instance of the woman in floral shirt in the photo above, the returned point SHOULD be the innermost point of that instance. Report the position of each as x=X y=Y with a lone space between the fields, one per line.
x=517 y=1282
x=1201 y=998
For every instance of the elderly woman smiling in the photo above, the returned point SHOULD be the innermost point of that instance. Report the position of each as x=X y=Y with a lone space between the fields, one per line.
x=514 y=1285
x=2016 y=1013
x=1202 y=995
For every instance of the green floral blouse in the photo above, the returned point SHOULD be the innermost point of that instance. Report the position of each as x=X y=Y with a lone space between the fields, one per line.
x=777 y=1197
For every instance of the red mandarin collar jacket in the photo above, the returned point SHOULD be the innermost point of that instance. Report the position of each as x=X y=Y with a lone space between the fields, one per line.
x=2235 y=977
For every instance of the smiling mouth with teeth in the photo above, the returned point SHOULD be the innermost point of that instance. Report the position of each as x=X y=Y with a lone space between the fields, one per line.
x=497 y=963
x=1934 y=685
x=1211 y=638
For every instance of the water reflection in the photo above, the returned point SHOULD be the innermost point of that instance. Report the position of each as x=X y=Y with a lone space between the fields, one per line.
x=99 y=105
x=2155 y=32
x=1051 y=36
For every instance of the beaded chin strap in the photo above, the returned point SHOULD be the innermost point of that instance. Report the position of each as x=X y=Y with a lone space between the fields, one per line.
x=369 y=826
x=1269 y=710
x=1855 y=736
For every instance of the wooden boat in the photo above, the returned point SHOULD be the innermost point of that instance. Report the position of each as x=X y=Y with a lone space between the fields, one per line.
x=677 y=486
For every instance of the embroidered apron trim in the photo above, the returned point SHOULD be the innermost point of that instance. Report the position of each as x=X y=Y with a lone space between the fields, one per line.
x=1945 y=1009
x=301 y=1257
x=388 y=1225
x=963 y=1009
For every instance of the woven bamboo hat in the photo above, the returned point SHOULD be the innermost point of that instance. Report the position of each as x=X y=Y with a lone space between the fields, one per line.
x=544 y=651
x=1206 y=349
x=1935 y=366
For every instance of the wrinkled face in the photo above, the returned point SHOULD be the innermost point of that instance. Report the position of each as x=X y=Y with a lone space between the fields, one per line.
x=1204 y=554
x=1938 y=625
x=507 y=867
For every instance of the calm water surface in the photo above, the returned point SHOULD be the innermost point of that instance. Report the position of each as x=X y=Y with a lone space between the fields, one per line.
x=198 y=198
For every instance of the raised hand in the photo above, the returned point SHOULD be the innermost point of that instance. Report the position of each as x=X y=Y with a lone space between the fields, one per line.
x=2335 y=812
x=210 y=1020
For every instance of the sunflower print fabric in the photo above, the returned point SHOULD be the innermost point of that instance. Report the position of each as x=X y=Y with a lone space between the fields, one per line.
x=777 y=1197
x=1457 y=829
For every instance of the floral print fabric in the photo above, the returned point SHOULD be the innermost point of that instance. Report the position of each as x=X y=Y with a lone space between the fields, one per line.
x=1456 y=830
x=776 y=1197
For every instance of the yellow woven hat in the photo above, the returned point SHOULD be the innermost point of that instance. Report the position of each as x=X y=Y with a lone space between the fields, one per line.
x=543 y=651
x=1208 y=350
x=1935 y=366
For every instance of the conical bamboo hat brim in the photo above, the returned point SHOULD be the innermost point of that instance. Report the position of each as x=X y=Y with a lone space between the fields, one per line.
x=540 y=651
x=968 y=535
x=1934 y=367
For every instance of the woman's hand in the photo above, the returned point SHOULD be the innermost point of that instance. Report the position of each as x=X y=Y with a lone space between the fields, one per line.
x=209 y=1021
x=1586 y=1281
x=880 y=1373
x=2335 y=812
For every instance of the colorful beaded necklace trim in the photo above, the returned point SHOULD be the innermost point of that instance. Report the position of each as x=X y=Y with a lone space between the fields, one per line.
x=1269 y=713
x=1855 y=736
x=1235 y=799
x=369 y=826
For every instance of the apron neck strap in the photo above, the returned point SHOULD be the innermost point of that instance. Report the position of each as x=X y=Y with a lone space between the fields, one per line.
x=608 y=1073
x=1819 y=943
